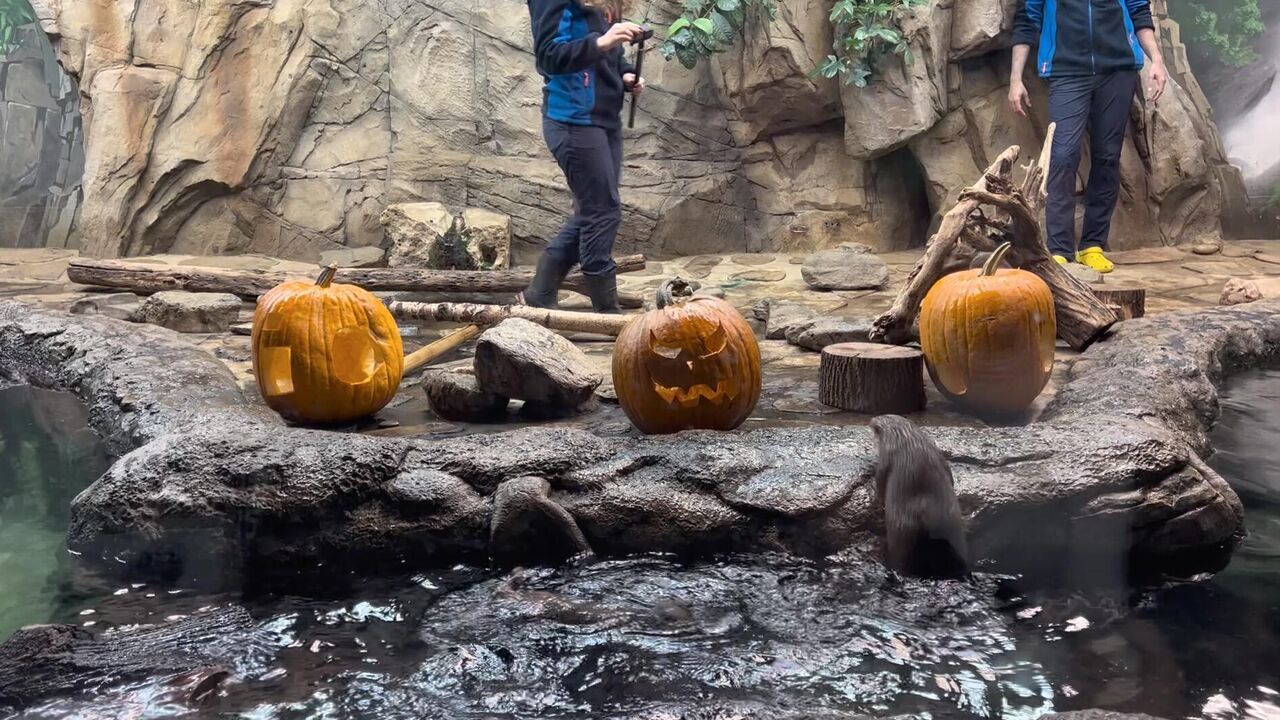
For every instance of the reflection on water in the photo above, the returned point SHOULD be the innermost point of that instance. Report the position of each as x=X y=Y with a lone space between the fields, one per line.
x=47 y=456
x=775 y=636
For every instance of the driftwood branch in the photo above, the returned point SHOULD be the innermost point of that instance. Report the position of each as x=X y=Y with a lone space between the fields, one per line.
x=1082 y=318
x=419 y=359
x=487 y=315
x=249 y=284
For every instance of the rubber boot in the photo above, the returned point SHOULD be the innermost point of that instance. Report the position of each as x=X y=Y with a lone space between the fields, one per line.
x=544 y=291
x=603 y=291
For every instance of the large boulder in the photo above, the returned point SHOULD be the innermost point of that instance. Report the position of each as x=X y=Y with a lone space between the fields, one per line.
x=421 y=235
x=190 y=312
x=848 y=267
x=523 y=360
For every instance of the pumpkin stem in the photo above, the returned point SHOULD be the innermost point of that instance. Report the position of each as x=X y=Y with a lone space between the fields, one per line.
x=326 y=276
x=673 y=290
x=993 y=262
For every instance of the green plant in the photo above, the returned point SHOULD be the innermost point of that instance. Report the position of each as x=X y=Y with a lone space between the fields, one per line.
x=1220 y=30
x=707 y=27
x=865 y=31
x=13 y=15
x=1274 y=202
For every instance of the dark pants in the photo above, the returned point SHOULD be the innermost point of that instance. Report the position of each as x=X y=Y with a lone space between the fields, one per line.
x=591 y=158
x=1099 y=104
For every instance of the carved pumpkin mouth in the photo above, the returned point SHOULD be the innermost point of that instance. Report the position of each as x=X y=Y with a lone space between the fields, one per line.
x=691 y=396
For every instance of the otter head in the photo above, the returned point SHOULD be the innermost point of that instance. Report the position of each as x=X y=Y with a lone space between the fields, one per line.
x=890 y=428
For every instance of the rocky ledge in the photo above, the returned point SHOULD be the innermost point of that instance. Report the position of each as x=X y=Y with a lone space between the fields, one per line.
x=207 y=480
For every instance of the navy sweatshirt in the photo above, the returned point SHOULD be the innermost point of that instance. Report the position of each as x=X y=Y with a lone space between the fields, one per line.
x=1083 y=37
x=582 y=86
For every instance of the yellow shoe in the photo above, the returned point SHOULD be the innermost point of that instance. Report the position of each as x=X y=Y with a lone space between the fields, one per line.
x=1061 y=260
x=1093 y=257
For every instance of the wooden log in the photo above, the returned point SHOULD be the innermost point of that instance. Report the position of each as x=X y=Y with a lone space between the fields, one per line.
x=249 y=284
x=488 y=315
x=871 y=378
x=1129 y=301
x=419 y=359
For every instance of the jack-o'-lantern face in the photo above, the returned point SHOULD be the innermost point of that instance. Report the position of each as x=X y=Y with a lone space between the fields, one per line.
x=692 y=363
x=325 y=353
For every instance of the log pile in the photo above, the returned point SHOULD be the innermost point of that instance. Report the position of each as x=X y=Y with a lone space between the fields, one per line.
x=969 y=228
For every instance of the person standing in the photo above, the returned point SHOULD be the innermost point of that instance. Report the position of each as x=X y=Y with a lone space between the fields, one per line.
x=579 y=47
x=1090 y=52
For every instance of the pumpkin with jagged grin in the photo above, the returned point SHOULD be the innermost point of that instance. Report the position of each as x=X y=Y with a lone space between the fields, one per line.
x=693 y=363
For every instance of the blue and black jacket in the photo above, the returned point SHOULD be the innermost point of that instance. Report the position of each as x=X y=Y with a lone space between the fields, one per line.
x=583 y=86
x=1083 y=37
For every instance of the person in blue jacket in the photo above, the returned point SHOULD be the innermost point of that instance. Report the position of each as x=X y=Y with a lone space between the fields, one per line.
x=1090 y=52
x=579 y=47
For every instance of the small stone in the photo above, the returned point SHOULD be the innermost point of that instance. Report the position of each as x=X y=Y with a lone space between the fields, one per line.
x=1206 y=249
x=233 y=354
x=784 y=315
x=242 y=329
x=1083 y=273
x=699 y=267
x=751 y=259
x=353 y=257
x=849 y=267
x=121 y=306
x=190 y=312
x=1238 y=291
x=523 y=360
x=760 y=275
x=455 y=395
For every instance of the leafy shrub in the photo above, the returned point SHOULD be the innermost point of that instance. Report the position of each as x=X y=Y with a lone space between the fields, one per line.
x=865 y=31
x=1219 y=31
x=707 y=27
x=13 y=15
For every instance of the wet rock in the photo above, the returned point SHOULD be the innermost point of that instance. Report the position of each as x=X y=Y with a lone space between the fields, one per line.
x=190 y=312
x=828 y=330
x=353 y=257
x=121 y=306
x=527 y=523
x=849 y=267
x=782 y=315
x=520 y=359
x=455 y=395
x=1097 y=715
x=1083 y=273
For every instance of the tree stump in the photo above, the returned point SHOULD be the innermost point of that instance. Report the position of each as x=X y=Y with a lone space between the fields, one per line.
x=1130 y=301
x=871 y=378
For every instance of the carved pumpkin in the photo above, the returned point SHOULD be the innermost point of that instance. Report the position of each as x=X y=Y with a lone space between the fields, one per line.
x=325 y=353
x=988 y=337
x=691 y=363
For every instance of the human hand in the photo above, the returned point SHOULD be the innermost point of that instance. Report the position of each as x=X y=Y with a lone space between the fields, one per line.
x=1019 y=98
x=619 y=34
x=633 y=84
x=1158 y=78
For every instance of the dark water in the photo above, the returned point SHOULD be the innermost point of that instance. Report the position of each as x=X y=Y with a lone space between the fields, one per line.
x=781 y=637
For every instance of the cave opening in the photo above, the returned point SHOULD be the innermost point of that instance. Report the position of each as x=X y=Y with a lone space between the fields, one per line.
x=902 y=191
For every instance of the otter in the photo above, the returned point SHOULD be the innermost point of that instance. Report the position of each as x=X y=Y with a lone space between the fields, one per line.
x=924 y=531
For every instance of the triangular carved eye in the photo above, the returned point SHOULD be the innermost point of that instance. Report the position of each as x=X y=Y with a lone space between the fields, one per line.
x=714 y=343
x=670 y=352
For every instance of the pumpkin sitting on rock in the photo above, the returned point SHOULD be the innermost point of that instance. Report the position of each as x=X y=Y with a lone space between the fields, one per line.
x=325 y=353
x=691 y=363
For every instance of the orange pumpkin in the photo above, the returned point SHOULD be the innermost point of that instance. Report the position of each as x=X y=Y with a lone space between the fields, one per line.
x=691 y=363
x=325 y=353
x=988 y=337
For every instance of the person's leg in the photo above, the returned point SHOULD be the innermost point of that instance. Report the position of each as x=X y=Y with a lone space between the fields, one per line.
x=561 y=253
x=1069 y=108
x=600 y=156
x=1108 y=118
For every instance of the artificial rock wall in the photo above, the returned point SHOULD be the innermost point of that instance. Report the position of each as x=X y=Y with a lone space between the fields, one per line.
x=286 y=126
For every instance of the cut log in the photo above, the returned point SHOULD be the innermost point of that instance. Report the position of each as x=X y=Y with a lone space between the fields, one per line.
x=488 y=315
x=421 y=358
x=47 y=660
x=1081 y=317
x=1129 y=301
x=872 y=378
x=250 y=284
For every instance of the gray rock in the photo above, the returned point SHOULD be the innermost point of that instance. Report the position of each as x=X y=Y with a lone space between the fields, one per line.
x=828 y=330
x=1083 y=273
x=520 y=359
x=487 y=236
x=421 y=234
x=1097 y=715
x=190 y=312
x=121 y=306
x=782 y=316
x=1206 y=248
x=454 y=395
x=845 y=268
x=353 y=257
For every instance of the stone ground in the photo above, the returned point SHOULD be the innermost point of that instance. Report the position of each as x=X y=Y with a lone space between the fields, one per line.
x=1175 y=279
